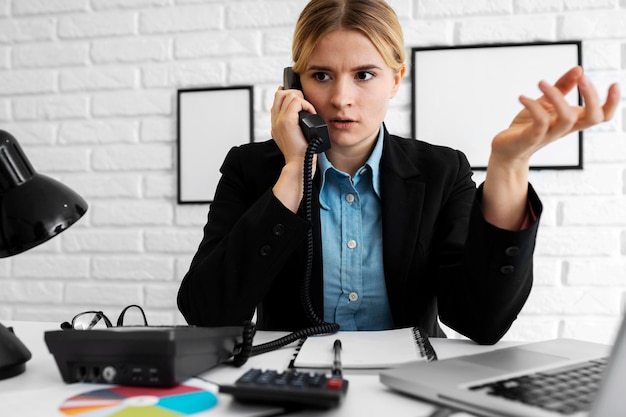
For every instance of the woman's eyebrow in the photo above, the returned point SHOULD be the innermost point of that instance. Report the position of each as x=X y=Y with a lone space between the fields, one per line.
x=366 y=67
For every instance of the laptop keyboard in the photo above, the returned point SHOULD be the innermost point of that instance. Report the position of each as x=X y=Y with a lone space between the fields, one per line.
x=566 y=390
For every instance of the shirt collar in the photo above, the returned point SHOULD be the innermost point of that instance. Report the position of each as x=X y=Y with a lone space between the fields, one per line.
x=373 y=163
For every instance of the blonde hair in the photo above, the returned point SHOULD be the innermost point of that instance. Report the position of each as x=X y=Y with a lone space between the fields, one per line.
x=373 y=18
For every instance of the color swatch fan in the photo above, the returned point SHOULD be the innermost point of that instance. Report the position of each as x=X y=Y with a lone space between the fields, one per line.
x=181 y=400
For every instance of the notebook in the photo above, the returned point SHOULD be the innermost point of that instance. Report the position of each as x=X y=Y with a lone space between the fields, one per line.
x=364 y=350
x=461 y=382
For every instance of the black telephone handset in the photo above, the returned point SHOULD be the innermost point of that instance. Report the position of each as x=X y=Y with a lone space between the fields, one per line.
x=312 y=125
x=315 y=131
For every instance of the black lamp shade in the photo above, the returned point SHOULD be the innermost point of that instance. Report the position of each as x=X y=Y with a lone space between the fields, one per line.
x=33 y=207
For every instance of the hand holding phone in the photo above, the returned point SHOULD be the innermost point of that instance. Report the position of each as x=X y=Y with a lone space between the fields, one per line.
x=312 y=125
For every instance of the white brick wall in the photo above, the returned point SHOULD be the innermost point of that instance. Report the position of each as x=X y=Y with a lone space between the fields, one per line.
x=89 y=89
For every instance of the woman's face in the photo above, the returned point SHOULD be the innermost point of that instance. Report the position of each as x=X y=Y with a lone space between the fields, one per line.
x=350 y=85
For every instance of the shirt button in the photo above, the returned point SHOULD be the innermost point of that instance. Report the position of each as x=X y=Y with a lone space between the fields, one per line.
x=353 y=296
x=350 y=198
x=352 y=244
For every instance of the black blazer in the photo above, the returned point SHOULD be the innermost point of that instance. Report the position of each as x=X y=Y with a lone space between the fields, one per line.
x=441 y=258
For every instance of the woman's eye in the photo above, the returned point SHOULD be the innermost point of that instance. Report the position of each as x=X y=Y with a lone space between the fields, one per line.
x=364 y=75
x=320 y=76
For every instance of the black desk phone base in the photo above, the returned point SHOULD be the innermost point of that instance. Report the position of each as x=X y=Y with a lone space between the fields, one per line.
x=157 y=356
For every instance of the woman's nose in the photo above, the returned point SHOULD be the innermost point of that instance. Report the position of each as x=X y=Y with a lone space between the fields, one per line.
x=342 y=93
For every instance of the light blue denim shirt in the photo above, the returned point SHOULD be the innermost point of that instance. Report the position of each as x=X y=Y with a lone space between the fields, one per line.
x=355 y=295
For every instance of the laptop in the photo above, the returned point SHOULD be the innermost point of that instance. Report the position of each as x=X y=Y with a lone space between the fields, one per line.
x=519 y=381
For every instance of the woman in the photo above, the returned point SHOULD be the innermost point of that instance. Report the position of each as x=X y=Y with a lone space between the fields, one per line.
x=402 y=236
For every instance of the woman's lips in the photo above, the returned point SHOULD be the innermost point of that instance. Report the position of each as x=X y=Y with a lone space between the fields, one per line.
x=342 y=124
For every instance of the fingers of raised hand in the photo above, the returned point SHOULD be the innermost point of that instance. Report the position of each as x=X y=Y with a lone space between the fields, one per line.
x=593 y=111
x=564 y=116
x=612 y=102
x=540 y=118
x=569 y=80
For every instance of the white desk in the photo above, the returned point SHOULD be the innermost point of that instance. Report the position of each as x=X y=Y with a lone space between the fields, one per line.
x=40 y=390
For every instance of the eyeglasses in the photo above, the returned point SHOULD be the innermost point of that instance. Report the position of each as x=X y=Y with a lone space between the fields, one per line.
x=88 y=320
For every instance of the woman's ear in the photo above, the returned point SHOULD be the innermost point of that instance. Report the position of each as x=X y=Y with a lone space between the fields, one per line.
x=397 y=78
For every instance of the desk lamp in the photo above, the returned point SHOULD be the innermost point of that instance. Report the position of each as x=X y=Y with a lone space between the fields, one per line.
x=33 y=209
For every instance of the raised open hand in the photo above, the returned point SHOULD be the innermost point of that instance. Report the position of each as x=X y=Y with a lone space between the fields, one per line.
x=541 y=122
x=551 y=117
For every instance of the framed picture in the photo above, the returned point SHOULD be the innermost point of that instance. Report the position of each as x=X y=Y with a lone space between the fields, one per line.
x=464 y=95
x=210 y=122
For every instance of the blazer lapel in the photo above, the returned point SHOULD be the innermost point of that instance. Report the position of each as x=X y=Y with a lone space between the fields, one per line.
x=402 y=204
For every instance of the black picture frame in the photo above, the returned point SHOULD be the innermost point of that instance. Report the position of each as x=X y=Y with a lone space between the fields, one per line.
x=462 y=96
x=210 y=121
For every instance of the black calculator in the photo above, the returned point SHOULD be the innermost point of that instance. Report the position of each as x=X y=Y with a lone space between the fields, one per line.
x=293 y=389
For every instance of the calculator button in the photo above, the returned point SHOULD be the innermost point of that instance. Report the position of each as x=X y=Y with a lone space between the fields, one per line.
x=334 y=383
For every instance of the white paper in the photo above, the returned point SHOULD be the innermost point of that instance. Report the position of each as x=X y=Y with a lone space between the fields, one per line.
x=360 y=350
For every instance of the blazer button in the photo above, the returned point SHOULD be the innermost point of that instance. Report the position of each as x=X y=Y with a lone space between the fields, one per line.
x=265 y=250
x=507 y=269
x=278 y=230
x=512 y=250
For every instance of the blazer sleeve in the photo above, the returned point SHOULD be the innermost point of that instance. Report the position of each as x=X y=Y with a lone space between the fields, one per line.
x=443 y=261
x=481 y=293
x=247 y=239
